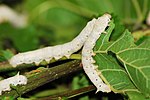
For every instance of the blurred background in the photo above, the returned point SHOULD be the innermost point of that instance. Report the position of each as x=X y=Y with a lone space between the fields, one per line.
x=30 y=24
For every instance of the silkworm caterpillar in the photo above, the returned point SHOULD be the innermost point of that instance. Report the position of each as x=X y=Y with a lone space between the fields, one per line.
x=87 y=38
x=15 y=80
x=87 y=53
x=9 y=15
x=56 y=52
x=148 y=19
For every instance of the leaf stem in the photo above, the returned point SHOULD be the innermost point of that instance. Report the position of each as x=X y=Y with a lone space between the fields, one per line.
x=59 y=4
x=138 y=10
x=145 y=5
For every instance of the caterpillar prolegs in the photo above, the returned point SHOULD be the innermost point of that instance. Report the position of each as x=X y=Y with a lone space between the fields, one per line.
x=87 y=38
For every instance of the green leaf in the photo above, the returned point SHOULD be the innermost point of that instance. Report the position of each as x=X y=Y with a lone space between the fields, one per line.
x=113 y=74
x=145 y=43
x=136 y=96
x=5 y=55
x=23 y=39
x=135 y=60
x=125 y=41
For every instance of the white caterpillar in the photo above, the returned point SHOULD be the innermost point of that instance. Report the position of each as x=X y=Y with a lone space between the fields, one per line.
x=56 y=52
x=148 y=19
x=87 y=38
x=87 y=53
x=15 y=80
x=9 y=15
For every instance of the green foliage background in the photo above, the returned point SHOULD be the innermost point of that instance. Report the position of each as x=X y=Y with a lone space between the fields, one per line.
x=52 y=22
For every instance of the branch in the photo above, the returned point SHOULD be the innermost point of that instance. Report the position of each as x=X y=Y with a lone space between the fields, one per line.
x=70 y=94
x=42 y=76
x=5 y=66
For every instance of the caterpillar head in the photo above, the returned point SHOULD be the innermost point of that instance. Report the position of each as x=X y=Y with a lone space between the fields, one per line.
x=18 y=80
x=107 y=15
x=22 y=80
x=101 y=23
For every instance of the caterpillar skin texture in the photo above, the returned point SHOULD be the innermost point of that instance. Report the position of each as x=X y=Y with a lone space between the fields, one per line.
x=87 y=52
x=15 y=80
x=87 y=38
x=56 y=52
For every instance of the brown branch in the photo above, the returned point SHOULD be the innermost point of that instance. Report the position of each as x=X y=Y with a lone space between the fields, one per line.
x=5 y=66
x=70 y=94
x=43 y=76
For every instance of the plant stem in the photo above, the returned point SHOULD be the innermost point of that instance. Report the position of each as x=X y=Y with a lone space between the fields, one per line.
x=145 y=5
x=66 y=5
x=75 y=56
x=138 y=10
x=140 y=33
x=5 y=66
x=70 y=94
x=77 y=9
x=43 y=76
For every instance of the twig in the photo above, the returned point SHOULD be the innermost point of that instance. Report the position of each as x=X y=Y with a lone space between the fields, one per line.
x=5 y=66
x=70 y=94
x=44 y=76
